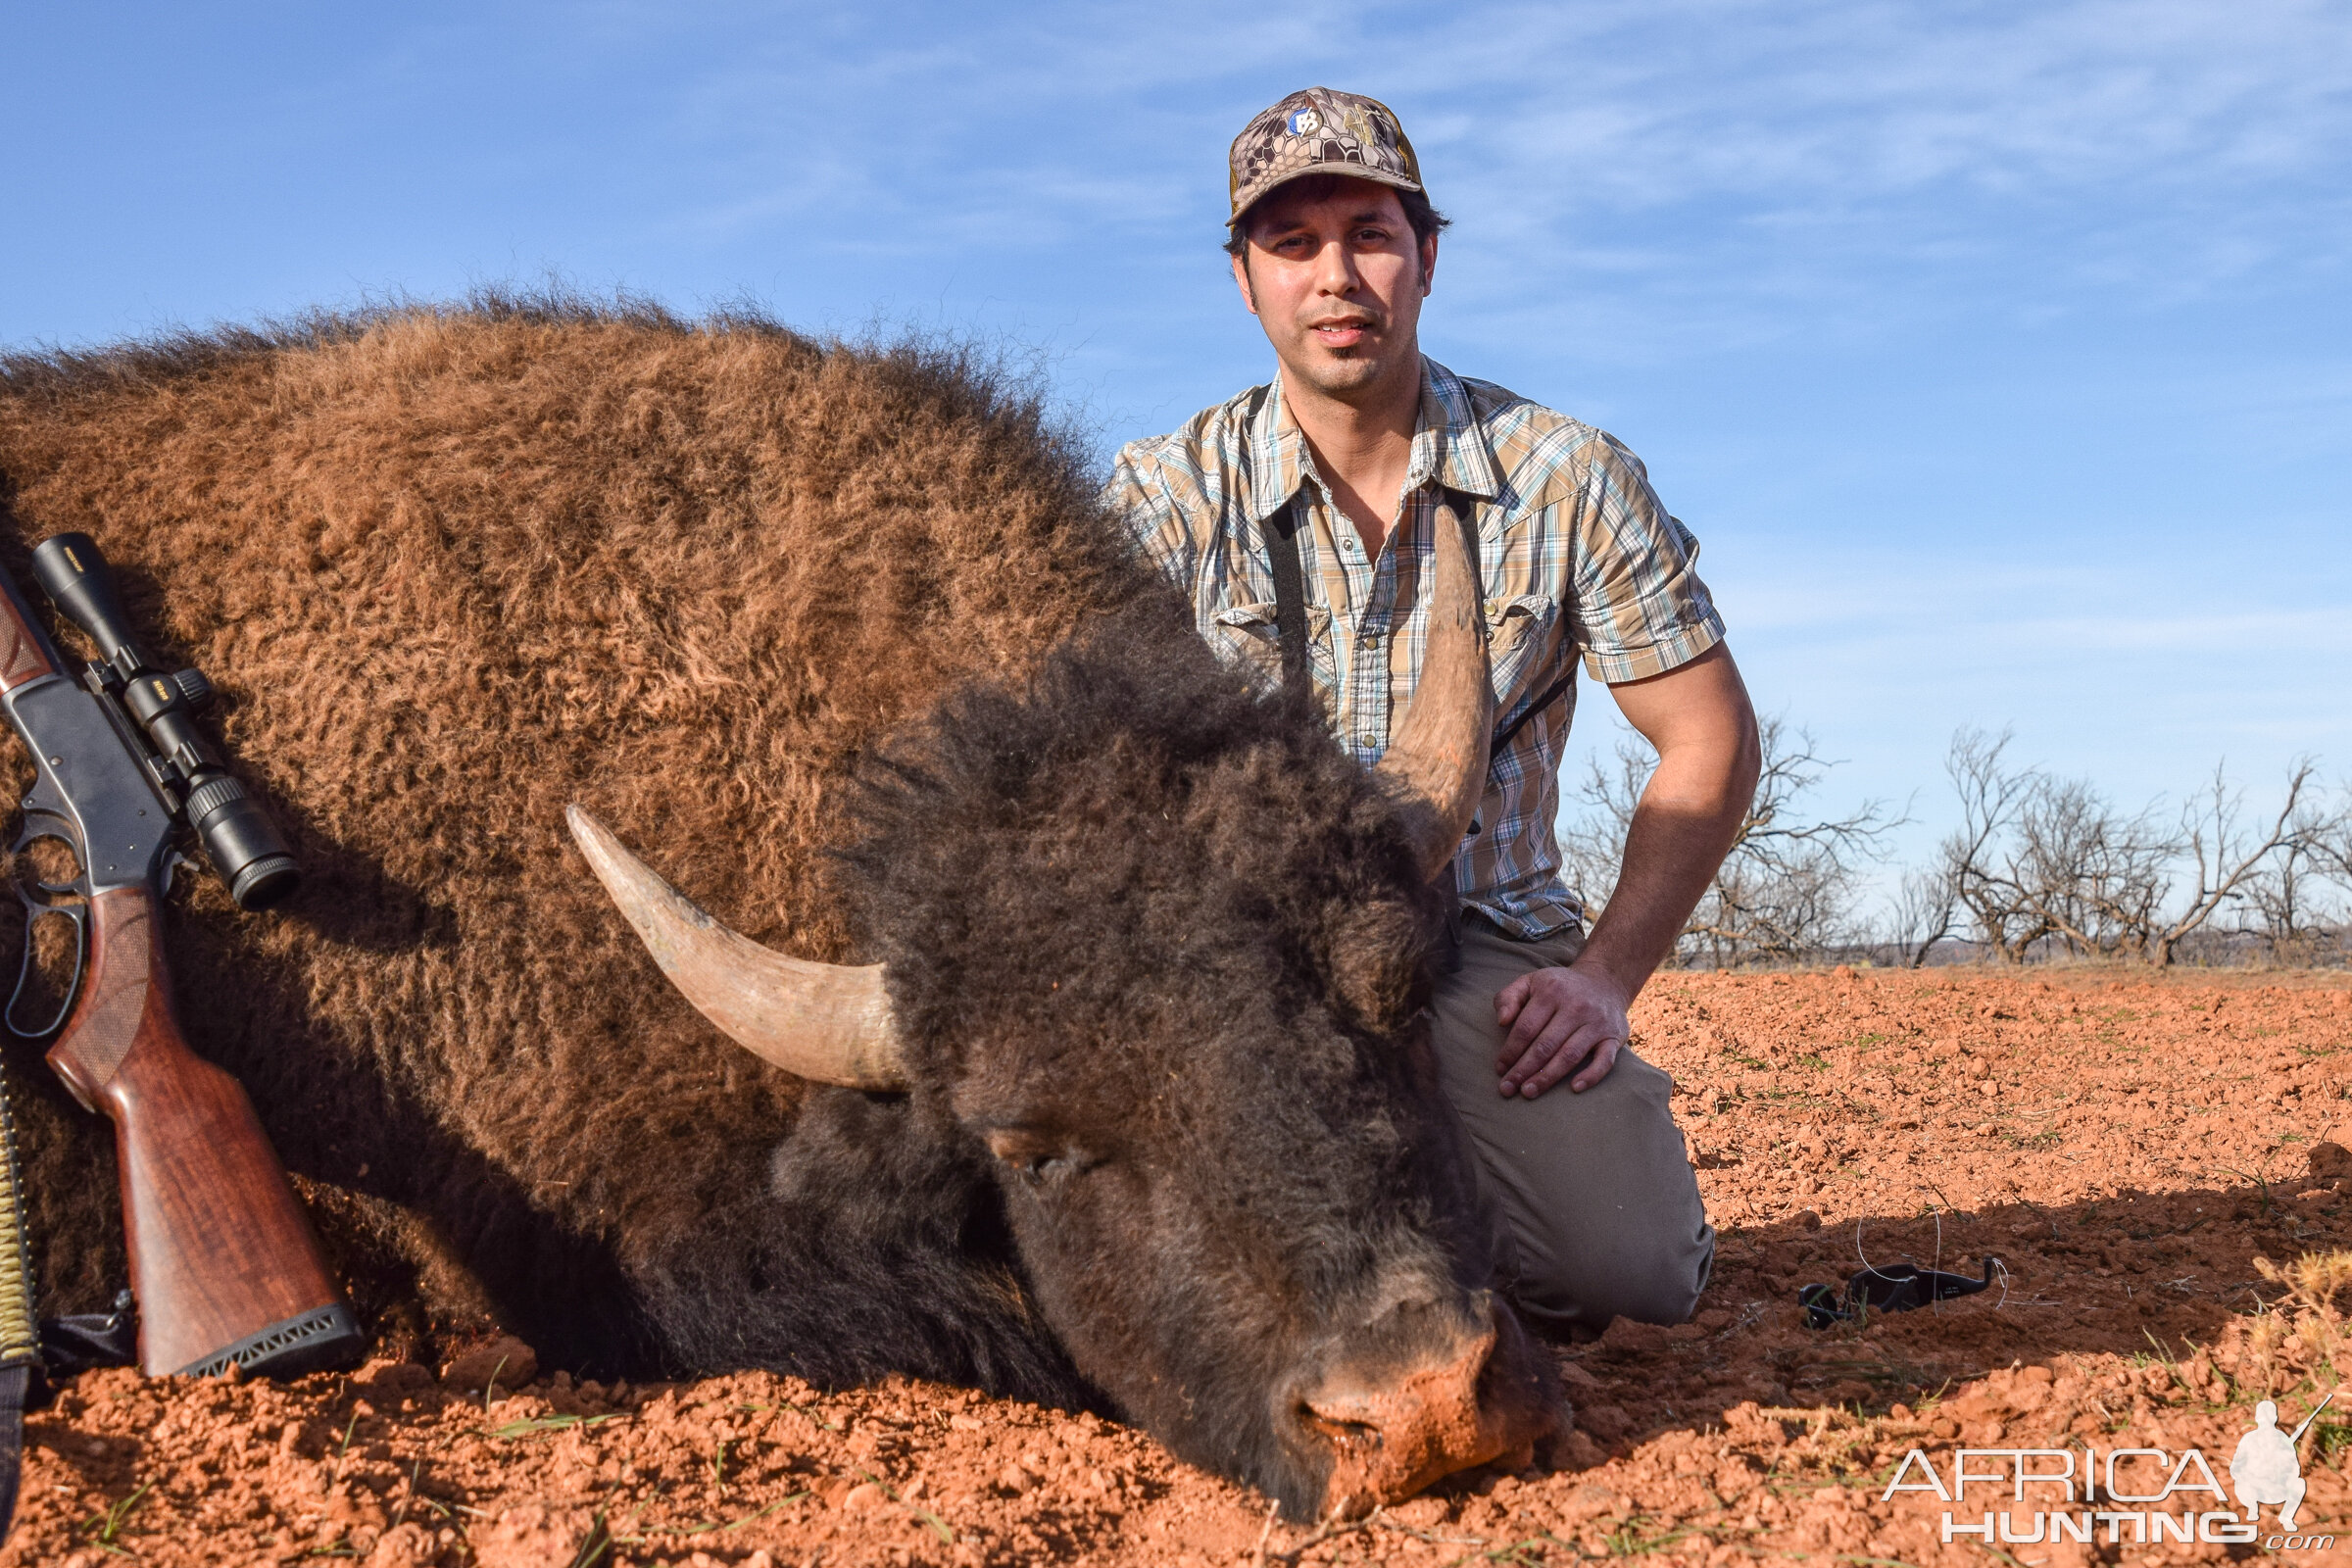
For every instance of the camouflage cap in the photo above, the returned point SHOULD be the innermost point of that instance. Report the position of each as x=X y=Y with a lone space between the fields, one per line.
x=1319 y=132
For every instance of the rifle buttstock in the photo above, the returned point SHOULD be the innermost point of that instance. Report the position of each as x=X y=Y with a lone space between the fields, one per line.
x=222 y=1257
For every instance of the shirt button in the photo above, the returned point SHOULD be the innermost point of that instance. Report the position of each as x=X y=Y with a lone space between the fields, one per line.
x=1372 y=642
x=1365 y=738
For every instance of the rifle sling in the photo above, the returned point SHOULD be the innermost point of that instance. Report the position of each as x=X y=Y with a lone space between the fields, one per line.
x=1290 y=595
x=1551 y=694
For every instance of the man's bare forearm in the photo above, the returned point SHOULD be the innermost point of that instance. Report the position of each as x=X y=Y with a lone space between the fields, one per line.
x=1700 y=720
x=1687 y=817
x=1698 y=716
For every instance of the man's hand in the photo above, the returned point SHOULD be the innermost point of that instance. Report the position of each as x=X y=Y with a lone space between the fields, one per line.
x=1558 y=1018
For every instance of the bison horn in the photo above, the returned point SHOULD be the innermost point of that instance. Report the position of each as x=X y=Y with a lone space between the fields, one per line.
x=827 y=1022
x=1437 y=764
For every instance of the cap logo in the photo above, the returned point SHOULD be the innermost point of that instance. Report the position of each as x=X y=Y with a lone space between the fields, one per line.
x=1305 y=123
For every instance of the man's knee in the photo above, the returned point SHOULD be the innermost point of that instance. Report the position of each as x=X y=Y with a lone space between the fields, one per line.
x=1668 y=1292
x=1582 y=1276
x=1604 y=1211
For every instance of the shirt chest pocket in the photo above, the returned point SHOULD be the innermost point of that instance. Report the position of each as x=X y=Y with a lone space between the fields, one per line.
x=1249 y=636
x=1523 y=639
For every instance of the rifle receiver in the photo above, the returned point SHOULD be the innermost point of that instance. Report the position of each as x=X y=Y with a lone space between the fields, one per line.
x=237 y=836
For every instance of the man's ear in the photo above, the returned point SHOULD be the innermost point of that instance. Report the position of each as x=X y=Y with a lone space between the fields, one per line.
x=1241 y=280
x=1429 y=262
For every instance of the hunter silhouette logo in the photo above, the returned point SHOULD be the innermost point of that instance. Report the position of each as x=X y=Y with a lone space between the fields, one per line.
x=2125 y=1497
x=2268 y=1467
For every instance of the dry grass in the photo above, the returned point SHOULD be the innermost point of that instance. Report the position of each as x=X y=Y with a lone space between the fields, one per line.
x=2300 y=1340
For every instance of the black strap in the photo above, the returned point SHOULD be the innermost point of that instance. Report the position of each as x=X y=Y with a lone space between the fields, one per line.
x=1290 y=593
x=69 y=1345
x=1551 y=694
x=16 y=1389
x=20 y=1333
x=87 y=1340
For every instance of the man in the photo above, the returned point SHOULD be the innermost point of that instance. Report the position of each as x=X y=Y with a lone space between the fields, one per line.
x=2267 y=1469
x=1354 y=451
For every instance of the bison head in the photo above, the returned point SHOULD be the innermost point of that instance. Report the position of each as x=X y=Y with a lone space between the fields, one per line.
x=1150 y=940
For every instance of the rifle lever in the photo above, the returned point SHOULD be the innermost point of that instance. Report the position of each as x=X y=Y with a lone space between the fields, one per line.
x=41 y=897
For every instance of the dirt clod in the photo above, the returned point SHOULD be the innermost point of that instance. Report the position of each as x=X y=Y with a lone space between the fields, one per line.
x=533 y=1536
x=504 y=1361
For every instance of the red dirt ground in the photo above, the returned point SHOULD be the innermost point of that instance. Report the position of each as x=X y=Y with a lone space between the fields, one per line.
x=2126 y=1145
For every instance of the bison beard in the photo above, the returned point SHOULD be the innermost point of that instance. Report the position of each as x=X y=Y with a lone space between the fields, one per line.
x=840 y=639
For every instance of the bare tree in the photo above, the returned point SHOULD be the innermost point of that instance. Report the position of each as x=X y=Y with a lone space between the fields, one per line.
x=2329 y=838
x=1991 y=795
x=2038 y=859
x=2285 y=901
x=2225 y=852
x=1927 y=909
x=1786 y=886
x=2094 y=877
x=2042 y=859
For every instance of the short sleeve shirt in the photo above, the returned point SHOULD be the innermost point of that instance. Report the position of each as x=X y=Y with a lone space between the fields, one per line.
x=1578 y=558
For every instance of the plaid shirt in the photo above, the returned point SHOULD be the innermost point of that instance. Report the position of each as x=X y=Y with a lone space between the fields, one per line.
x=1575 y=550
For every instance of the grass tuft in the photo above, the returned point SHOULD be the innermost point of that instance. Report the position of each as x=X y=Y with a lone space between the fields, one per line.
x=105 y=1530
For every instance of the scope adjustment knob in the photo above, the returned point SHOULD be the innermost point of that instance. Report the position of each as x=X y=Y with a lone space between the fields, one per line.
x=194 y=689
x=210 y=797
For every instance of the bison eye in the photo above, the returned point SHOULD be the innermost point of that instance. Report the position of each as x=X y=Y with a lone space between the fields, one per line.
x=1034 y=1156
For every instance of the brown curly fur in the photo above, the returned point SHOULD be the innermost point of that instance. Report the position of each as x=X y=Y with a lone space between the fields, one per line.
x=455 y=569
x=841 y=641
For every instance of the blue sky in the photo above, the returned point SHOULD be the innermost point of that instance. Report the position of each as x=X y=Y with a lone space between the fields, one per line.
x=2000 y=355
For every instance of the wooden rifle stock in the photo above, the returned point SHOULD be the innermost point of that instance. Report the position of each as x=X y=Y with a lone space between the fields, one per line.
x=222 y=1257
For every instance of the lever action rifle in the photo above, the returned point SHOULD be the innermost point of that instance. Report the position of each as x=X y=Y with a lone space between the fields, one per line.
x=222 y=1261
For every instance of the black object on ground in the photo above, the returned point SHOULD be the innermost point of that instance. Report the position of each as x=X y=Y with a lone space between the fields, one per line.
x=1897 y=1289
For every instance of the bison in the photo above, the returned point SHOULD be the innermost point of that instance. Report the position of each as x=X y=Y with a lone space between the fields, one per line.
x=1084 y=979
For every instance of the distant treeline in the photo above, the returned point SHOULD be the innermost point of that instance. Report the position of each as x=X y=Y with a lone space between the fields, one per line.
x=2040 y=868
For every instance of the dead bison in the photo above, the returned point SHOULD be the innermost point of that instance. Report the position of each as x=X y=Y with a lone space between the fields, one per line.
x=840 y=640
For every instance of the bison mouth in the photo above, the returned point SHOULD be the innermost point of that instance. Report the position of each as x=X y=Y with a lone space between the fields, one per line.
x=1434 y=1393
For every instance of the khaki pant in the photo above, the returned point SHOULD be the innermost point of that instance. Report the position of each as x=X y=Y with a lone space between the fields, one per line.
x=1593 y=1201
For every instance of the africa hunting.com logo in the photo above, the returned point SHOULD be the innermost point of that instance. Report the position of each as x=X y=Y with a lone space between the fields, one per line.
x=2265 y=1471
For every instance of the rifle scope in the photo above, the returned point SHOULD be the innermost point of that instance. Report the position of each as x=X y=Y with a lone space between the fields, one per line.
x=237 y=836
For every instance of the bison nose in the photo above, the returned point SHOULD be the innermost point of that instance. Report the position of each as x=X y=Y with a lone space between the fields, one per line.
x=1467 y=1390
